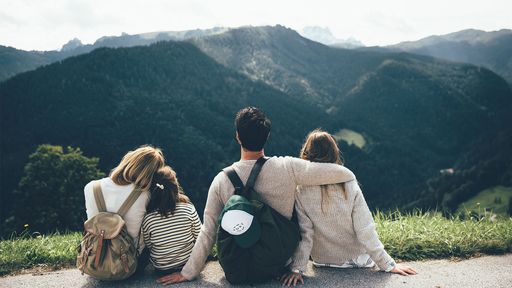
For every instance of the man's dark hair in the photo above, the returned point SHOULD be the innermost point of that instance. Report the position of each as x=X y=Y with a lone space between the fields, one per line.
x=253 y=128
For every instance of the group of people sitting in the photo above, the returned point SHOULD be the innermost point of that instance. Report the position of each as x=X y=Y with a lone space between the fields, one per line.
x=335 y=223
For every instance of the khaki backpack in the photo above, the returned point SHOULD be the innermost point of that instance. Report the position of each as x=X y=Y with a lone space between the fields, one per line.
x=107 y=251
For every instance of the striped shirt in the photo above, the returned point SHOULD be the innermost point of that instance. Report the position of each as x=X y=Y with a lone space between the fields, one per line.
x=170 y=239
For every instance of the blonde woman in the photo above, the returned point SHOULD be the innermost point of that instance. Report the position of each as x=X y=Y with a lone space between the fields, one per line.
x=336 y=225
x=135 y=170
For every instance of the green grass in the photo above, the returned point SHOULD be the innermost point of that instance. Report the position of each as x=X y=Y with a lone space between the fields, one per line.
x=406 y=237
x=53 y=251
x=431 y=236
x=495 y=199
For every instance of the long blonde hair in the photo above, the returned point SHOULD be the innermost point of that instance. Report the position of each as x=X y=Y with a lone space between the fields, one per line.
x=138 y=167
x=321 y=146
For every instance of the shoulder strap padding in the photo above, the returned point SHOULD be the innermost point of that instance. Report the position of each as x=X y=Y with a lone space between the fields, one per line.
x=98 y=196
x=134 y=195
x=235 y=180
x=240 y=188
x=256 y=169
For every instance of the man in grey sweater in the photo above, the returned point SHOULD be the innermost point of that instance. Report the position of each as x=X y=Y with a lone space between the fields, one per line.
x=276 y=185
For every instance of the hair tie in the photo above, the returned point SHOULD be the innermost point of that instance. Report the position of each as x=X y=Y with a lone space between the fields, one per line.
x=160 y=186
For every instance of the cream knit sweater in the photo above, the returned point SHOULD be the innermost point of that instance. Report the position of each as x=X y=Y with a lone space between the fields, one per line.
x=343 y=231
x=276 y=185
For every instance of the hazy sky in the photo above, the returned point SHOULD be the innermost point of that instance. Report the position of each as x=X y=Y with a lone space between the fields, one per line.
x=48 y=24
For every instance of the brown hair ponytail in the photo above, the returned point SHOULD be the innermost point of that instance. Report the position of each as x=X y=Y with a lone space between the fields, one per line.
x=165 y=192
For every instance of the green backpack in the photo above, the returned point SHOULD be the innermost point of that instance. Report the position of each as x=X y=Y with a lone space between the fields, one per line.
x=107 y=251
x=277 y=237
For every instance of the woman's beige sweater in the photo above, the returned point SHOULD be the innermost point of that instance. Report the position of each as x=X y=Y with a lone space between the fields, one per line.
x=342 y=232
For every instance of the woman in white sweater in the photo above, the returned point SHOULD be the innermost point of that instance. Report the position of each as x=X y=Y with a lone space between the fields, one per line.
x=135 y=170
x=336 y=225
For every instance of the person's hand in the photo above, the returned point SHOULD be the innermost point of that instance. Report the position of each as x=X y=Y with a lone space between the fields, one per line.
x=173 y=278
x=403 y=270
x=291 y=278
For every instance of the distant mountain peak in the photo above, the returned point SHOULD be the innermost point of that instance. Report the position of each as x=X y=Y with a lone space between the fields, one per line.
x=325 y=36
x=488 y=49
x=72 y=44
x=319 y=34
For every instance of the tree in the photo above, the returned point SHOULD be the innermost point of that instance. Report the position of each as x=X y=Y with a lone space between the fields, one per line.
x=50 y=193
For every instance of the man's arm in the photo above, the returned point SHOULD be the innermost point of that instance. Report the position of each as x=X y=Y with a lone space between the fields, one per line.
x=207 y=235
x=313 y=173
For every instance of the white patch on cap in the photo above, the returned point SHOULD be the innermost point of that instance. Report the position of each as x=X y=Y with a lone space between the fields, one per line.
x=236 y=222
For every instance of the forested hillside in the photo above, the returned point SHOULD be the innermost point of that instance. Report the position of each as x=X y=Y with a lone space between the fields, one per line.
x=418 y=114
x=112 y=100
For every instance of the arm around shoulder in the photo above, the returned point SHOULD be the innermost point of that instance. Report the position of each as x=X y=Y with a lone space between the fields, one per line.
x=313 y=173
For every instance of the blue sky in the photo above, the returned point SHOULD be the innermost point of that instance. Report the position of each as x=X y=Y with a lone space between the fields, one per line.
x=48 y=24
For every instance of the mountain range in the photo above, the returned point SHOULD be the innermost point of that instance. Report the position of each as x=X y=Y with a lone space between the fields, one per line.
x=412 y=115
x=492 y=50
x=16 y=61
x=488 y=49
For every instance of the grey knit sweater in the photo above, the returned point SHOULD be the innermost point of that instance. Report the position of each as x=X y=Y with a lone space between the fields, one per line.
x=341 y=232
x=276 y=185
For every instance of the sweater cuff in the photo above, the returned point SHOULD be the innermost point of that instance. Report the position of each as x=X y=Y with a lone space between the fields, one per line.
x=390 y=265
x=301 y=272
x=298 y=267
x=189 y=275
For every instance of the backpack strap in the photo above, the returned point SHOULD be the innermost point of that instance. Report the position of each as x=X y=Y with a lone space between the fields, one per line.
x=256 y=169
x=134 y=195
x=235 y=180
x=98 y=196
x=240 y=188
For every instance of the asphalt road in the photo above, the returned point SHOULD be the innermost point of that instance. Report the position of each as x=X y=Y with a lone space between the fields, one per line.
x=486 y=271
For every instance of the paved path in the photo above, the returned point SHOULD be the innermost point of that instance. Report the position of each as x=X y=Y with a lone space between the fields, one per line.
x=487 y=271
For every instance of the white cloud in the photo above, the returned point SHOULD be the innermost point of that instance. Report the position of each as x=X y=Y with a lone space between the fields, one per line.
x=43 y=25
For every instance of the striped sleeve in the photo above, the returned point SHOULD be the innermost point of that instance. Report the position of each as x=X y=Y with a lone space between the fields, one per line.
x=145 y=231
x=196 y=223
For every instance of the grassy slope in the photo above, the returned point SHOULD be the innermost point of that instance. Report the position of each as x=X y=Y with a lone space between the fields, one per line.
x=406 y=237
x=487 y=200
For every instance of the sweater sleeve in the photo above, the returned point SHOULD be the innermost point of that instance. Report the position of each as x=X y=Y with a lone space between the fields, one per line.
x=90 y=202
x=207 y=235
x=146 y=234
x=196 y=223
x=301 y=256
x=312 y=173
x=364 y=226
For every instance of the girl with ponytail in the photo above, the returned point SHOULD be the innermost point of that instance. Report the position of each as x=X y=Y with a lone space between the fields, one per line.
x=171 y=227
